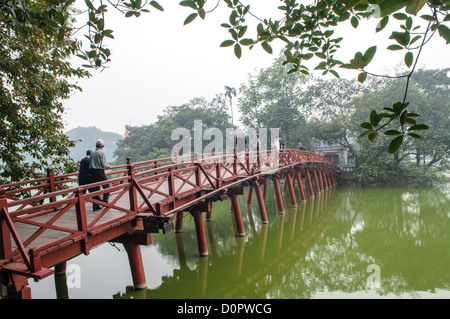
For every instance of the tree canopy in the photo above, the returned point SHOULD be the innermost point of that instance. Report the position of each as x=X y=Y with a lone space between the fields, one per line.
x=35 y=79
x=155 y=140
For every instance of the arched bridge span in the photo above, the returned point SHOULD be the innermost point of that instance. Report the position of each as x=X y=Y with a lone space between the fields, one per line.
x=47 y=221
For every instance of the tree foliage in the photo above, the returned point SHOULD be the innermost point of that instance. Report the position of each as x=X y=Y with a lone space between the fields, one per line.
x=334 y=109
x=308 y=33
x=154 y=140
x=271 y=98
x=35 y=46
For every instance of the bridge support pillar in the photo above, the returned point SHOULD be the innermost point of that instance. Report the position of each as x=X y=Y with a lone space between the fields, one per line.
x=278 y=197
x=261 y=204
x=300 y=186
x=316 y=182
x=237 y=215
x=320 y=177
x=200 y=231
x=291 y=189
x=264 y=189
x=325 y=180
x=309 y=184
x=136 y=264
x=249 y=196
x=179 y=222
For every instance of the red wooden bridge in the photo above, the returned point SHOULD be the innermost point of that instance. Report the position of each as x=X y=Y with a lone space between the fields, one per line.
x=47 y=221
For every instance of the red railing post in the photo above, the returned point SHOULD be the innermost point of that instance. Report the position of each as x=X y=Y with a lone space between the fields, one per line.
x=197 y=164
x=51 y=181
x=218 y=174
x=5 y=236
x=234 y=162
x=132 y=181
x=82 y=219
x=171 y=184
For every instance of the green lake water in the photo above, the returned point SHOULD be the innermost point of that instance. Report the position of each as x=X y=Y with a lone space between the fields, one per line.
x=345 y=243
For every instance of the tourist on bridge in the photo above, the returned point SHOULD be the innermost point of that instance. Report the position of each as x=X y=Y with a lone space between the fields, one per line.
x=84 y=174
x=281 y=142
x=97 y=165
x=300 y=146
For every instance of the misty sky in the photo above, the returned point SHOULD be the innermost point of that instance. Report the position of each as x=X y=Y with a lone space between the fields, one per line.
x=157 y=62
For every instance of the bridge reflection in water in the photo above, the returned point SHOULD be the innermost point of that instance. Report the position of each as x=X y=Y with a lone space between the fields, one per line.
x=237 y=266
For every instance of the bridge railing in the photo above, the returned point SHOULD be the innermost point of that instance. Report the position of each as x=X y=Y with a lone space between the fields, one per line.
x=155 y=187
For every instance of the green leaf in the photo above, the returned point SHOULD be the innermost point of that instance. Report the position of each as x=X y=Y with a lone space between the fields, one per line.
x=382 y=24
x=156 y=5
x=395 y=47
x=335 y=73
x=108 y=33
x=190 y=18
x=365 y=133
x=395 y=144
x=366 y=125
x=444 y=32
x=392 y=132
x=246 y=41
x=190 y=4
x=400 y=16
x=227 y=43
x=354 y=21
x=372 y=136
x=414 y=135
x=266 y=46
x=358 y=60
x=368 y=55
x=402 y=38
x=238 y=50
x=409 y=58
x=89 y=4
x=202 y=13
x=415 y=6
x=428 y=17
x=418 y=127
x=362 y=77
x=348 y=66
x=388 y=7
x=374 y=118
x=242 y=31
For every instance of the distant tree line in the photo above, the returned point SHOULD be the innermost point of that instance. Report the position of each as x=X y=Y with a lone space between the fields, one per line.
x=307 y=110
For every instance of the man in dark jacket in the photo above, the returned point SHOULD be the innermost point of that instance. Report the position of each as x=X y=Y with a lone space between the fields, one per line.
x=84 y=174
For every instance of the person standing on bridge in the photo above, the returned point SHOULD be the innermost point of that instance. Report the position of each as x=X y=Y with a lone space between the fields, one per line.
x=97 y=165
x=84 y=174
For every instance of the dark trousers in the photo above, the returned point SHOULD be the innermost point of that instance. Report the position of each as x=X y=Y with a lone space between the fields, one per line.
x=98 y=175
x=85 y=180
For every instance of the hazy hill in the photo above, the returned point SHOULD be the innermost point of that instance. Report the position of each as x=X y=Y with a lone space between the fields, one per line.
x=88 y=136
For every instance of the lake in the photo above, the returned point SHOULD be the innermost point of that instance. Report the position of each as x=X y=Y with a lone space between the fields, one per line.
x=346 y=243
